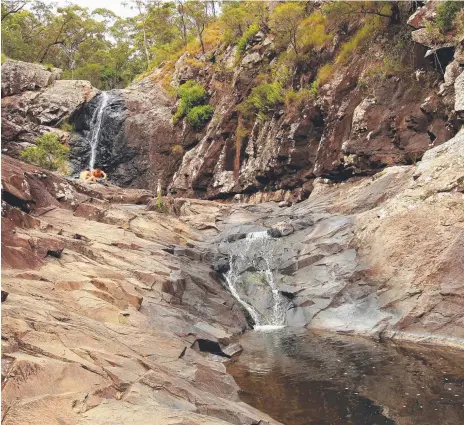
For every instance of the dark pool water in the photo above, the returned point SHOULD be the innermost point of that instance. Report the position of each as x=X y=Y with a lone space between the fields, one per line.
x=303 y=378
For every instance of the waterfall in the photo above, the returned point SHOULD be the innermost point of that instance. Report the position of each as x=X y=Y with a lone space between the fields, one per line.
x=256 y=251
x=95 y=129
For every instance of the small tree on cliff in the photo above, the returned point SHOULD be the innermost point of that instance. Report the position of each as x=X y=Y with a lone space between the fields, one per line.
x=285 y=24
x=49 y=153
x=197 y=13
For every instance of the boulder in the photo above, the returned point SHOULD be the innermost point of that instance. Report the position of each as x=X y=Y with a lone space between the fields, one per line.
x=459 y=93
x=18 y=77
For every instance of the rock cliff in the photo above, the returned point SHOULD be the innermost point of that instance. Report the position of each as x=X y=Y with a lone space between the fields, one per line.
x=366 y=116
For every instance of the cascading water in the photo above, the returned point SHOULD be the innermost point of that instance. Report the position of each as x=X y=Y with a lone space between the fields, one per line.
x=256 y=252
x=95 y=130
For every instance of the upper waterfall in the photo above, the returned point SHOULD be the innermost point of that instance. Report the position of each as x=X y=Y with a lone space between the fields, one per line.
x=96 y=124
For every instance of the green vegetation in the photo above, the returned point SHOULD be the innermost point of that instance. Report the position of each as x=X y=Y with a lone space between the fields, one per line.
x=192 y=98
x=446 y=14
x=245 y=38
x=49 y=153
x=4 y=58
x=66 y=126
x=198 y=116
x=177 y=150
x=263 y=100
x=285 y=23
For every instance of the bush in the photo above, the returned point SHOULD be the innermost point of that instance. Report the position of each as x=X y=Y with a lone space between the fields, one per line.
x=263 y=100
x=446 y=12
x=49 y=153
x=324 y=73
x=198 y=116
x=4 y=58
x=192 y=98
x=299 y=99
x=251 y=31
x=66 y=126
x=191 y=94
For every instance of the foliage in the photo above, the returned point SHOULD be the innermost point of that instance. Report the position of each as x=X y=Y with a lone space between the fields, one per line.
x=177 y=150
x=361 y=36
x=66 y=126
x=246 y=38
x=314 y=32
x=298 y=99
x=191 y=94
x=285 y=22
x=192 y=98
x=49 y=153
x=97 y=46
x=263 y=100
x=324 y=73
x=4 y=58
x=446 y=13
x=198 y=116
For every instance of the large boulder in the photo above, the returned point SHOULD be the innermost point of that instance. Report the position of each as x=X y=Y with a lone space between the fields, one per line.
x=18 y=77
x=34 y=102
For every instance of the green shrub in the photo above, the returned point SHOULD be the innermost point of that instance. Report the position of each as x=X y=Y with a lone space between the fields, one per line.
x=192 y=98
x=66 y=126
x=251 y=31
x=299 y=99
x=4 y=58
x=263 y=100
x=198 y=116
x=446 y=12
x=49 y=153
x=191 y=94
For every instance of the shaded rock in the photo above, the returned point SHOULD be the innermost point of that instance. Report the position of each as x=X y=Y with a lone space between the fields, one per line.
x=207 y=346
x=4 y=296
x=55 y=253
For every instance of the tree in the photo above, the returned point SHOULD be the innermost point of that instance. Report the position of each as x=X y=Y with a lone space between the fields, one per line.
x=285 y=23
x=142 y=7
x=236 y=18
x=49 y=153
x=9 y=7
x=197 y=14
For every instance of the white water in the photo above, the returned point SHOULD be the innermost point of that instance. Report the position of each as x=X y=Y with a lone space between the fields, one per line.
x=256 y=248
x=95 y=129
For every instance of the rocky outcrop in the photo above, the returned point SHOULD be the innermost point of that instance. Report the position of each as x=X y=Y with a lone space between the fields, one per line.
x=18 y=77
x=101 y=334
x=358 y=125
x=35 y=101
x=137 y=137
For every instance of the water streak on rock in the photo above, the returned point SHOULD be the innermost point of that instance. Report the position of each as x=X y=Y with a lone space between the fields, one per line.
x=256 y=252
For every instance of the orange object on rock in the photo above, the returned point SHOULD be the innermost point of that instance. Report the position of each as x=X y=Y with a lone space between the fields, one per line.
x=99 y=173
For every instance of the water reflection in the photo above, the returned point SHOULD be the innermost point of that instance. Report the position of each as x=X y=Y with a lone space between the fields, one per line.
x=303 y=378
